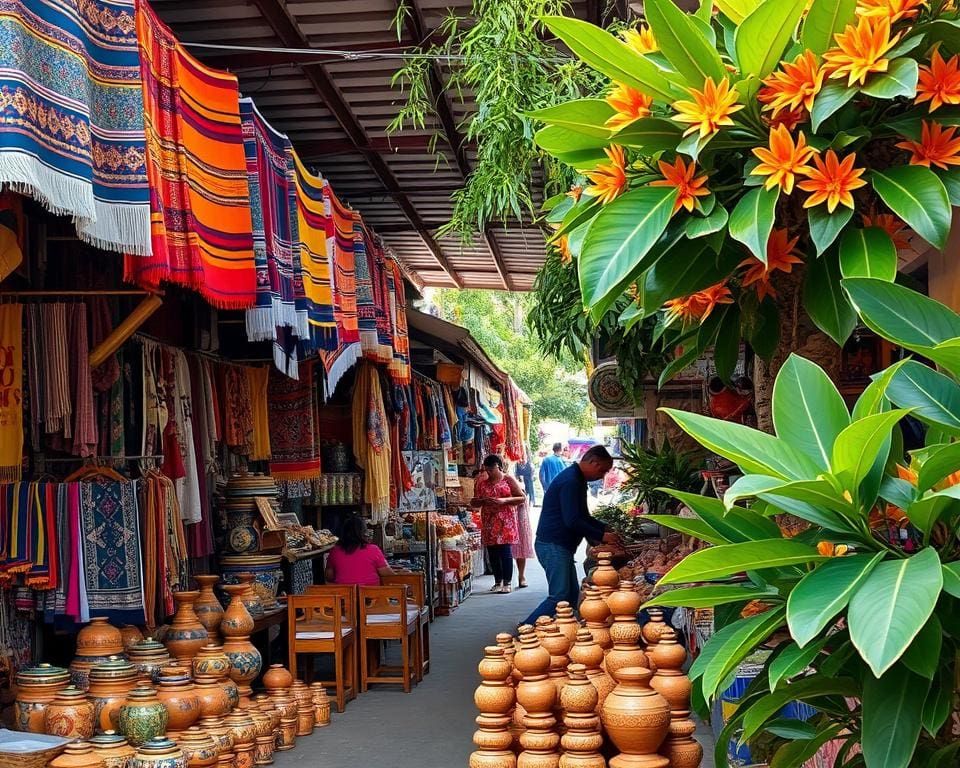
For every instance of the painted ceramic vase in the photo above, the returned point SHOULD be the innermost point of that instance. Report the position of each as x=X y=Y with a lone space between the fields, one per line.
x=265 y=572
x=680 y=748
x=605 y=576
x=36 y=689
x=149 y=657
x=213 y=699
x=219 y=730
x=160 y=752
x=179 y=696
x=636 y=719
x=70 y=715
x=129 y=635
x=208 y=608
x=321 y=704
x=142 y=717
x=113 y=749
x=231 y=691
x=78 y=754
x=277 y=677
x=237 y=620
x=244 y=737
x=110 y=683
x=242 y=534
x=211 y=661
x=653 y=628
x=186 y=635
x=265 y=704
x=305 y=711
x=200 y=749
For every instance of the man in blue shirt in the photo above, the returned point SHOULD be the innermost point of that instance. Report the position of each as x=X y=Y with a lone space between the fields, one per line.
x=564 y=522
x=551 y=467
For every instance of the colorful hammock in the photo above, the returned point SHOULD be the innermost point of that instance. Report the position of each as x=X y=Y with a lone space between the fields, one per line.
x=71 y=116
x=199 y=201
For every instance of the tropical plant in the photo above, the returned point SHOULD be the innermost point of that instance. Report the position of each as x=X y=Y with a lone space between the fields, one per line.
x=865 y=600
x=733 y=148
x=649 y=469
x=625 y=519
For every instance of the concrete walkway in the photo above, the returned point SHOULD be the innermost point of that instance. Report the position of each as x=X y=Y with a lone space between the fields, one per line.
x=432 y=726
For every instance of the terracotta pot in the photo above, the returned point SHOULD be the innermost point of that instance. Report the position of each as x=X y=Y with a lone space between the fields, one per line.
x=495 y=699
x=231 y=691
x=581 y=740
x=605 y=577
x=264 y=740
x=70 y=715
x=586 y=652
x=653 y=628
x=305 y=711
x=277 y=676
x=129 y=635
x=110 y=683
x=244 y=737
x=200 y=749
x=567 y=621
x=78 y=754
x=321 y=705
x=159 y=753
x=625 y=602
x=285 y=703
x=208 y=608
x=596 y=614
x=149 y=657
x=669 y=680
x=541 y=625
x=142 y=717
x=211 y=661
x=537 y=694
x=245 y=662
x=214 y=701
x=264 y=704
x=557 y=646
x=288 y=733
x=505 y=641
x=237 y=620
x=680 y=748
x=179 y=696
x=186 y=635
x=636 y=719
x=249 y=595
x=113 y=749
x=36 y=689
x=99 y=638
x=625 y=631
x=223 y=735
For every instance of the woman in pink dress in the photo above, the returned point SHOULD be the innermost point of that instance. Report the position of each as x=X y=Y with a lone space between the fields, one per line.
x=498 y=496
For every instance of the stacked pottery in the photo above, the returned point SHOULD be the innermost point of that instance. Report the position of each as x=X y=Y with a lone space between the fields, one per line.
x=200 y=749
x=36 y=689
x=113 y=749
x=557 y=645
x=264 y=703
x=186 y=635
x=581 y=740
x=567 y=622
x=240 y=508
x=213 y=698
x=236 y=626
x=130 y=635
x=537 y=694
x=211 y=661
x=96 y=643
x=149 y=657
x=321 y=704
x=605 y=577
x=637 y=720
x=208 y=608
x=110 y=683
x=587 y=653
x=305 y=710
x=655 y=627
x=244 y=737
x=179 y=697
x=596 y=614
x=625 y=631
x=77 y=754
x=505 y=641
x=160 y=752
x=495 y=699
x=142 y=717
x=70 y=715
x=264 y=741
x=223 y=735
x=670 y=682
x=264 y=573
x=289 y=718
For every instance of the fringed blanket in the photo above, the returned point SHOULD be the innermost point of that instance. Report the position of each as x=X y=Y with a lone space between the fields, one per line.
x=273 y=203
x=399 y=367
x=11 y=391
x=366 y=304
x=293 y=438
x=381 y=300
x=71 y=116
x=199 y=201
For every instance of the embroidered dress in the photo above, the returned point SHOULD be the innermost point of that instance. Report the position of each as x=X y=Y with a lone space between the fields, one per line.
x=498 y=522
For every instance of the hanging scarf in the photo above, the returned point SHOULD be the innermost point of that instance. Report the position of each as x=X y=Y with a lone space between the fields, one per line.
x=371 y=440
x=399 y=366
x=381 y=297
x=56 y=364
x=295 y=451
x=237 y=416
x=199 y=200
x=11 y=391
x=257 y=379
x=36 y=378
x=71 y=118
x=189 y=489
x=200 y=536
x=366 y=304
x=85 y=419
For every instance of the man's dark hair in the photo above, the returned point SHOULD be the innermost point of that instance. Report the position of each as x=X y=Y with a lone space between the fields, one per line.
x=598 y=454
x=557 y=447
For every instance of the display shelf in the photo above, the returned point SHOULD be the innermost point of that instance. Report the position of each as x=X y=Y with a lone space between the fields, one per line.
x=296 y=557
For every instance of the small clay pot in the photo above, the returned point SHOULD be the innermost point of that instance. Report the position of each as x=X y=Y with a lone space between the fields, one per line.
x=211 y=661
x=244 y=737
x=110 y=683
x=220 y=731
x=99 y=638
x=70 y=715
x=36 y=689
x=200 y=749
x=160 y=752
x=214 y=701
x=321 y=705
x=653 y=628
x=113 y=749
x=78 y=754
x=177 y=693
x=149 y=657
x=142 y=717
x=277 y=677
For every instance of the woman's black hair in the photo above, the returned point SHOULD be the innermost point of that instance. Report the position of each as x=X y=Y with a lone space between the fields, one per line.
x=493 y=461
x=353 y=535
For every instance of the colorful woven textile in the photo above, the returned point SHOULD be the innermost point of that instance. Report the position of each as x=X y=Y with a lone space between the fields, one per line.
x=237 y=415
x=381 y=299
x=293 y=439
x=71 y=115
x=199 y=201
x=371 y=440
x=258 y=379
x=366 y=304
x=399 y=367
x=278 y=316
x=11 y=391
x=113 y=573
x=345 y=278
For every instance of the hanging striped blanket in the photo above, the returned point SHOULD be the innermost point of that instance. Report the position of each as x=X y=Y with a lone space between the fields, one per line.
x=399 y=367
x=273 y=206
x=345 y=278
x=381 y=298
x=199 y=201
x=71 y=115
x=366 y=302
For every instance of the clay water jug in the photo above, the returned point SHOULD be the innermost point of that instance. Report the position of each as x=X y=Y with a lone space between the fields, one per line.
x=208 y=608
x=186 y=635
x=636 y=719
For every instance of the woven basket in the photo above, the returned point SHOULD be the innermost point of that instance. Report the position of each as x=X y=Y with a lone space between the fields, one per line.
x=29 y=750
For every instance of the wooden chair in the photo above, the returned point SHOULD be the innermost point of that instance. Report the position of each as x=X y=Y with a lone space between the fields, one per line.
x=328 y=624
x=418 y=595
x=386 y=614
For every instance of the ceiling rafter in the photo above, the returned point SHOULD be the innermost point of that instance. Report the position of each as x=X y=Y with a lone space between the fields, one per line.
x=285 y=26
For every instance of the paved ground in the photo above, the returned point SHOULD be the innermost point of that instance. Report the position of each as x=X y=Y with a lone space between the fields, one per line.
x=432 y=726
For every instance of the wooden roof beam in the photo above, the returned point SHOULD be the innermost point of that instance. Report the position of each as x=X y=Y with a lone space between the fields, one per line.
x=494 y=247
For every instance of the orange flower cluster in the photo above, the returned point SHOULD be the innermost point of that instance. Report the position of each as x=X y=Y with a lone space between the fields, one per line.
x=563 y=246
x=781 y=256
x=710 y=109
x=891 y=225
x=641 y=39
x=892 y=10
x=698 y=306
x=793 y=86
x=609 y=179
x=629 y=104
x=827 y=549
x=861 y=50
x=832 y=180
x=939 y=83
x=681 y=176
x=783 y=160
x=937 y=146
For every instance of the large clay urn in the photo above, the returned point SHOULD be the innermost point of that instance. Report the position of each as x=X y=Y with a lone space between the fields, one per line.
x=130 y=635
x=605 y=577
x=113 y=749
x=581 y=740
x=236 y=626
x=654 y=628
x=208 y=608
x=586 y=652
x=142 y=717
x=214 y=701
x=669 y=680
x=179 y=696
x=567 y=622
x=537 y=694
x=149 y=657
x=96 y=643
x=494 y=699
x=596 y=614
x=321 y=704
x=680 y=748
x=159 y=753
x=186 y=635
x=36 y=689
x=77 y=754
x=70 y=715
x=637 y=720
x=625 y=631
x=211 y=661
x=110 y=682
x=200 y=749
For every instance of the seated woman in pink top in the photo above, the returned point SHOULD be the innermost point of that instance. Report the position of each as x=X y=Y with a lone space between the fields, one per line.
x=354 y=560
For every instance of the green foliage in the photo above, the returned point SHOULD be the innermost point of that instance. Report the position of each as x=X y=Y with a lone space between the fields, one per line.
x=649 y=469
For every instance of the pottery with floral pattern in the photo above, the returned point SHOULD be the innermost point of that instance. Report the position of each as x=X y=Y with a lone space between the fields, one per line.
x=160 y=752
x=36 y=689
x=142 y=717
x=200 y=749
x=70 y=714
x=186 y=635
x=178 y=694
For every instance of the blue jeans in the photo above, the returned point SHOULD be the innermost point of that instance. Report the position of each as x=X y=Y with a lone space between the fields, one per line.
x=562 y=582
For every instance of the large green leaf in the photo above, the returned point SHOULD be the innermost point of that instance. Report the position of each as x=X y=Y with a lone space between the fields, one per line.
x=918 y=197
x=825 y=226
x=698 y=226
x=892 y=707
x=733 y=644
x=890 y=608
x=584 y=115
x=938 y=465
x=572 y=147
x=902 y=315
x=683 y=44
x=802 y=690
x=800 y=751
x=830 y=98
x=619 y=237
x=923 y=655
x=606 y=54
x=874 y=398
x=728 y=559
x=900 y=79
x=710 y=595
x=736 y=10
x=751 y=449
x=763 y=36
x=793 y=660
x=752 y=220
x=934 y=398
x=926 y=512
x=951 y=579
x=823 y=593
x=651 y=134
x=939 y=702
x=868 y=252
x=685 y=270
x=825 y=19
x=797 y=498
x=735 y=525
x=858 y=446
x=808 y=410
x=689 y=526
x=824 y=299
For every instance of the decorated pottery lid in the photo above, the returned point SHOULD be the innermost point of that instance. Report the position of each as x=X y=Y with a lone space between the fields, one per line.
x=114 y=669
x=160 y=745
x=250 y=560
x=70 y=694
x=195 y=737
x=143 y=692
x=108 y=740
x=43 y=674
x=174 y=676
x=147 y=646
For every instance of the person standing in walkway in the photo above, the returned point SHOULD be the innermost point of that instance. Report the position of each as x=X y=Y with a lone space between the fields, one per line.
x=498 y=496
x=523 y=549
x=524 y=472
x=564 y=522
x=552 y=466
